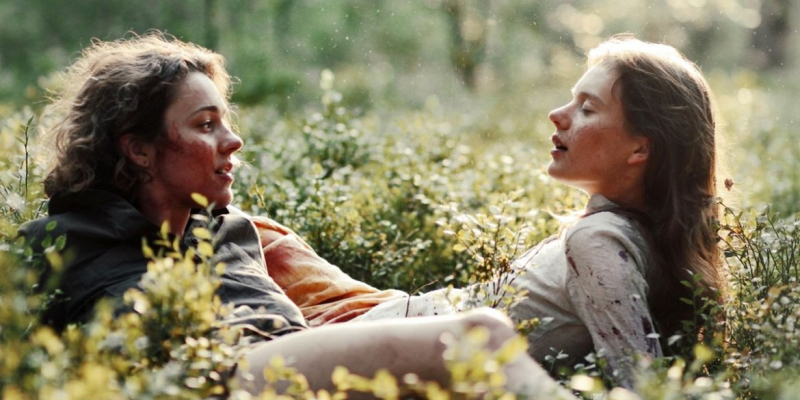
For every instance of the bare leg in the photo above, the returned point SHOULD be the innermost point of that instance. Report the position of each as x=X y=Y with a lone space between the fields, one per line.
x=402 y=346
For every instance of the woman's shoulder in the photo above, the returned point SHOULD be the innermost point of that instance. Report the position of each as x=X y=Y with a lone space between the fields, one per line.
x=607 y=223
x=92 y=214
x=606 y=234
x=604 y=216
x=36 y=231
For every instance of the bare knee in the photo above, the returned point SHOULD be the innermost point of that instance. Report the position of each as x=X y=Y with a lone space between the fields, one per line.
x=499 y=325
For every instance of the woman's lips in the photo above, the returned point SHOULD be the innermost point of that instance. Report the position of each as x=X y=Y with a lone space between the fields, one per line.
x=557 y=144
x=225 y=171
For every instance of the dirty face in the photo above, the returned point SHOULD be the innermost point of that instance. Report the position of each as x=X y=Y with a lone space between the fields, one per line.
x=591 y=145
x=198 y=156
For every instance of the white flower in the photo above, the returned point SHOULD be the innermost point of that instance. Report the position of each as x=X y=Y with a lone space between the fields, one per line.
x=15 y=201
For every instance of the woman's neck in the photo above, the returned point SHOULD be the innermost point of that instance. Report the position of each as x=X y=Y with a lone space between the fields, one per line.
x=158 y=212
x=626 y=195
x=634 y=201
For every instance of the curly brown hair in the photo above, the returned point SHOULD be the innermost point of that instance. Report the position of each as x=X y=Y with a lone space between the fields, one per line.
x=116 y=88
x=666 y=99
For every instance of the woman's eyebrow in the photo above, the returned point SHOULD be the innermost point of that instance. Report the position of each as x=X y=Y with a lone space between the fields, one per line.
x=211 y=108
x=591 y=96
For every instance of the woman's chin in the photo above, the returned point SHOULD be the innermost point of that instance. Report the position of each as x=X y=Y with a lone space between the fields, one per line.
x=223 y=201
x=219 y=200
x=559 y=176
x=554 y=172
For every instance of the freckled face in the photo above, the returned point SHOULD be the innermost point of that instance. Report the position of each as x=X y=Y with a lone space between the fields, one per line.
x=591 y=144
x=198 y=154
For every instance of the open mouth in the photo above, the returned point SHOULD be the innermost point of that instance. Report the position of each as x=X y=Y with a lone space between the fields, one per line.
x=558 y=144
x=224 y=169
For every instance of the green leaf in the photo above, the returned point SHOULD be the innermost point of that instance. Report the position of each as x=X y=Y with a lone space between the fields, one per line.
x=55 y=259
x=202 y=233
x=61 y=241
x=220 y=268
x=201 y=200
x=146 y=250
x=205 y=249
x=164 y=229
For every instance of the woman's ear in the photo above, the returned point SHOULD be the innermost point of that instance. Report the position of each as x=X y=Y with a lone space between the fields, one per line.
x=141 y=153
x=641 y=150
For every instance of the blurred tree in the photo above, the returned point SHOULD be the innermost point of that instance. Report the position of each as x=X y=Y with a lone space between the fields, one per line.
x=211 y=24
x=770 y=38
x=282 y=9
x=468 y=31
x=389 y=52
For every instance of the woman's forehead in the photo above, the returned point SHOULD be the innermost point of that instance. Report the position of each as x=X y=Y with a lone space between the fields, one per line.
x=597 y=83
x=196 y=93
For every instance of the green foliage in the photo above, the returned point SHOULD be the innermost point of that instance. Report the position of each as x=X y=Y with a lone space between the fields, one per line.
x=763 y=306
x=371 y=197
x=407 y=199
x=171 y=347
x=20 y=187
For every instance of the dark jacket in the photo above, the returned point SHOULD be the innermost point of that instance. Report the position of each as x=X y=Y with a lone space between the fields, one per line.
x=104 y=259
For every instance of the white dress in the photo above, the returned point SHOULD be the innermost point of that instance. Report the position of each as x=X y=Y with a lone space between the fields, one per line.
x=587 y=286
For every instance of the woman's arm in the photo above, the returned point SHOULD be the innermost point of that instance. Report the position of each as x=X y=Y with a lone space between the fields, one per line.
x=607 y=288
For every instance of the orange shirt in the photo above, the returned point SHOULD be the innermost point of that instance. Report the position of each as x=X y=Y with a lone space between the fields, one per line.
x=320 y=289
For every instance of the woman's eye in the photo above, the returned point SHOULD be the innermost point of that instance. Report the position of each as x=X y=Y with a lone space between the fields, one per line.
x=206 y=125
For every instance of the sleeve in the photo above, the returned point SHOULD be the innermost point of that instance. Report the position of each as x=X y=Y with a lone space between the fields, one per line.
x=609 y=293
x=322 y=291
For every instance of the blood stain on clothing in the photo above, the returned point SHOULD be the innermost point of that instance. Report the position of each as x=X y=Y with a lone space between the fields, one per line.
x=574 y=267
x=623 y=255
x=615 y=330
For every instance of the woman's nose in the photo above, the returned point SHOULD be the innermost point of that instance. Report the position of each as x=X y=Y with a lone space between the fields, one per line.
x=559 y=118
x=231 y=142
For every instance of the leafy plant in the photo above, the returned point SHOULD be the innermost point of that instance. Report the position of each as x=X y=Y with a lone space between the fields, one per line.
x=399 y=199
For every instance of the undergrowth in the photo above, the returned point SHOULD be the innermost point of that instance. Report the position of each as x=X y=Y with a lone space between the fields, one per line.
x=411 y=200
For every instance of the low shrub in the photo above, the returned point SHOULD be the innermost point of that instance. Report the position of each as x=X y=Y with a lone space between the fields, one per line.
x=409 y=200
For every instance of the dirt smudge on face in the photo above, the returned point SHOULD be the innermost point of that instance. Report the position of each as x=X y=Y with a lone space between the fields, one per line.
x=172 y=140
